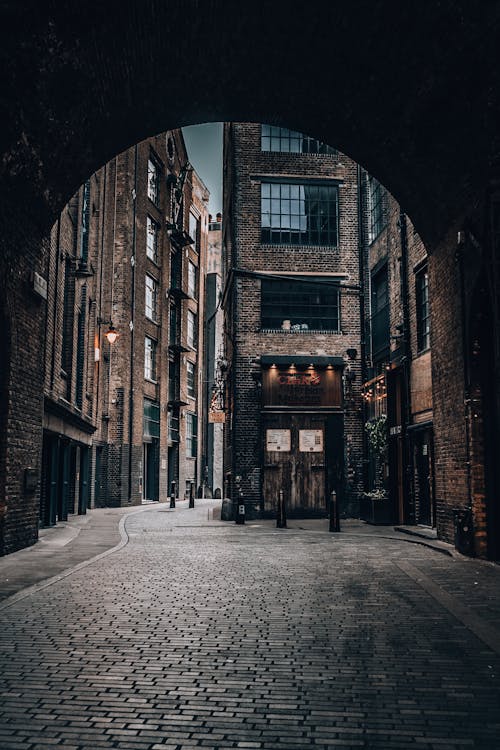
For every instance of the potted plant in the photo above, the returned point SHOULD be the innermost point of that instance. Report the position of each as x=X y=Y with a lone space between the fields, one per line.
x=375 y=505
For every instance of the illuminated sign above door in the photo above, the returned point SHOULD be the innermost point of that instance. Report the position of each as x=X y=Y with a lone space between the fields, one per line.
x=302 y=386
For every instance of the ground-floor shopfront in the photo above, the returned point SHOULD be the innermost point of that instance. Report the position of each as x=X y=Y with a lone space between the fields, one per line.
x=302 y=435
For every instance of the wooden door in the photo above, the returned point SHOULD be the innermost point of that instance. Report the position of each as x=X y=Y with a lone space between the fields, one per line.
x=294 y=461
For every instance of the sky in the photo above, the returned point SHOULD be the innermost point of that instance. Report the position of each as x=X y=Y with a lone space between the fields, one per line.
x=204 y=147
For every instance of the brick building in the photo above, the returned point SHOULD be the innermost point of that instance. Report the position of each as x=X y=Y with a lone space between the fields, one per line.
x=398 y=387
x=293 y=265
x=127 y=258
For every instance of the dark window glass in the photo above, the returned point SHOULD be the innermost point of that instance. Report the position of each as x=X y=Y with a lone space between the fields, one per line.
x=190 y=379
x=173 y=334
x=423 y=310
x=80 y=349
x=380 y=314
x=151 y=422
x=153 y=181
x=291 y=141
x=299 y=214
x=376 y=207
x=289 y=305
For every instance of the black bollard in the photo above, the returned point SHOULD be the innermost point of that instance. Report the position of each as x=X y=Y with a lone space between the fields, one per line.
x=334 y=513
x=240 y=511
x=172 y=495
x=281 y=517
x=191 y=495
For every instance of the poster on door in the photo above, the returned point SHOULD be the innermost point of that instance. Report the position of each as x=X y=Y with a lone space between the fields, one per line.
x=278 y=440
x=310 y=441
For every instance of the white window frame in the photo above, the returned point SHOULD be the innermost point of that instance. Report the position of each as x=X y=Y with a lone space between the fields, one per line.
x=150 y=349
x=151 y=298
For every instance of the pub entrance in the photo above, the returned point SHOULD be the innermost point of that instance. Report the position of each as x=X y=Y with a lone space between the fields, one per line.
x=303 y=434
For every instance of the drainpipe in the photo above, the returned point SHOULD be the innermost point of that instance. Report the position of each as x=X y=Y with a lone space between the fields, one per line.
x=132 y=332
x=459 y=258
x=407 y=359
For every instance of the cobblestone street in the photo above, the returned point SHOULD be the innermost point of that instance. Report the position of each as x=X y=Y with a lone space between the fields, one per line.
x=199 y=633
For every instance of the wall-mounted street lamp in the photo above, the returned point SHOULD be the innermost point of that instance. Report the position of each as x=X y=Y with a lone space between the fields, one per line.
x=111 y=334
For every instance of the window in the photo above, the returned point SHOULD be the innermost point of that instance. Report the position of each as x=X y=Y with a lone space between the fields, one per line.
x=290 y=141
x=172 y=330
x=190 y=380
x=299 y=214
x=153 y=181
x=193 y=229
x=191 y=329
x=191 y=435
x=376 y=208
x=423 y=310
x=151 y=420
x=290 y=305
x=151 y=298
x=152 y=239
x=192 y=279
x=84 y=239
x=149 y=358
x=380 y=333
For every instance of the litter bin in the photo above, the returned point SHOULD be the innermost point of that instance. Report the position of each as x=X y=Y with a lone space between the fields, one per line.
x=464 y=537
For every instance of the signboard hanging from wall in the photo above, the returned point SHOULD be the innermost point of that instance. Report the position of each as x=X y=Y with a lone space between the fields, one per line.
x=216 y=417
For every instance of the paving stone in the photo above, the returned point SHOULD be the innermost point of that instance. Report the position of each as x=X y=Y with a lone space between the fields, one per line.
x=220 y=636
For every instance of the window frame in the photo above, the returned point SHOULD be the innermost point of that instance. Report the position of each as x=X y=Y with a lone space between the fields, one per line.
x=274 y=139
x=150 y=359
x=153 y=186
x=287 y=200
x=422 y=309
x=191 y=435
x=191 y=379
x=192 y=279
x=151 y=298
x=376 y=209
x=191 y=326
x=152 y=252
x=292 y=295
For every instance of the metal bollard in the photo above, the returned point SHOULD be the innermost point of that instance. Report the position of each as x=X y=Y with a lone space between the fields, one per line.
x=240 y=511
x=191 y=495
x=281 y=517
x=334 y=513
x=172 y=495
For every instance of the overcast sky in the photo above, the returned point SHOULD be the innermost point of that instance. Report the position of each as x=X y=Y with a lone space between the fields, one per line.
x=204 y=147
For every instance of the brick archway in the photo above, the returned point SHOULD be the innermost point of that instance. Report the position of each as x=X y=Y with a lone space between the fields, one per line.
x=408 y=96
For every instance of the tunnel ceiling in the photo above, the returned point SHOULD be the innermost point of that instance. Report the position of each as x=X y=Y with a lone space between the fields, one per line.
x=412 y=97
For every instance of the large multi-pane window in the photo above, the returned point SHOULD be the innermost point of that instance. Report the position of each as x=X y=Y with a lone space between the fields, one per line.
x=152 y=230
x=153 y=181
x=423 y=310
x=194 y=229
x=376 y=207
x=290 y=141
x=192 y=279
x=172 y=326
x=299 y=214
x=149 y=358
x=151 y=298
x=190 y=368
x=290 y=305
x=151 y=419
x=191 y=435
x=191 y=329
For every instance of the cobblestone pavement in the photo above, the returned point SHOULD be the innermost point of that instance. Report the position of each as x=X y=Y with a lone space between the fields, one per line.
x=206 y=634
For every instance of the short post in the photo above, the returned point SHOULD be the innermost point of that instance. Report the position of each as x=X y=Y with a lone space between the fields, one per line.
x=281 y=517
x=334 y=513
x=191 y=495
x=172 y=494
x=240 y=510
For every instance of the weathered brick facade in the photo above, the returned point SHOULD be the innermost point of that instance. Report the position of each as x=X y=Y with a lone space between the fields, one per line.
x=247 y=261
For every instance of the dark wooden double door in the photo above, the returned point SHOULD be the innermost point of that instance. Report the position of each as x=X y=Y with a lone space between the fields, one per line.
x=303 y=457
